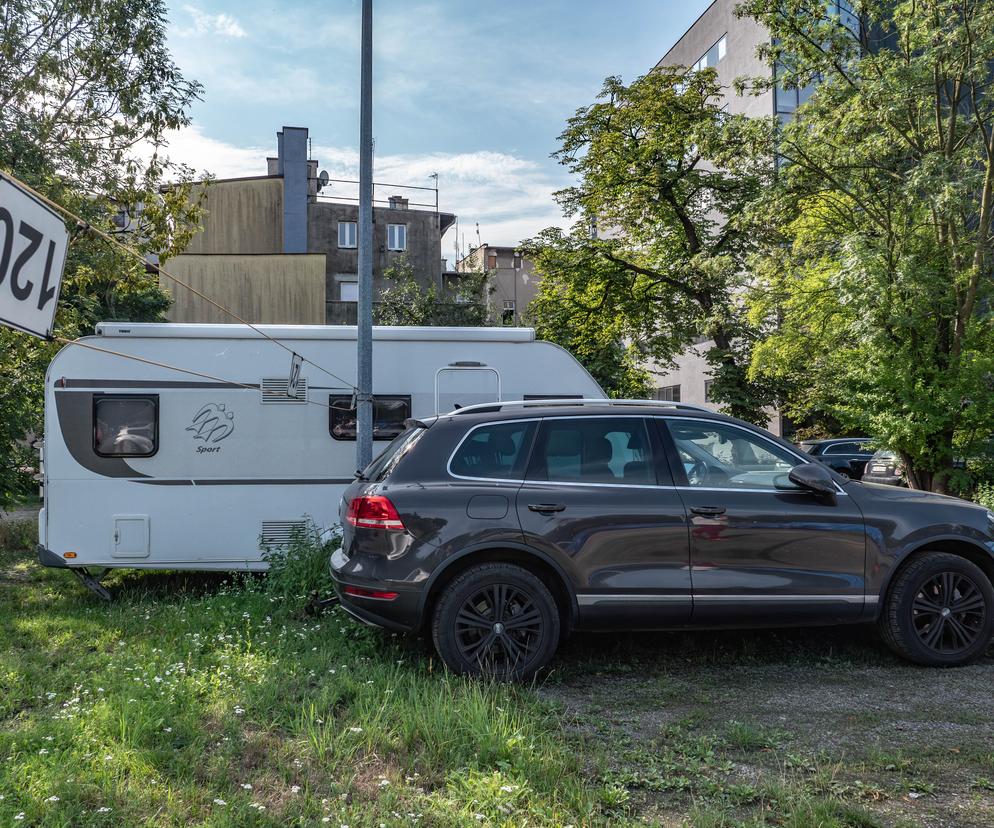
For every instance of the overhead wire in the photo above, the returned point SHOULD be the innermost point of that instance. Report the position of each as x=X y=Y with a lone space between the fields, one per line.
x=161 y=270
x=80 y=344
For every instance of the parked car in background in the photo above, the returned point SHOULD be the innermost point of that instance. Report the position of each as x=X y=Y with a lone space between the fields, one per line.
x=497 y=528
x=885 y=467
x=846 y=455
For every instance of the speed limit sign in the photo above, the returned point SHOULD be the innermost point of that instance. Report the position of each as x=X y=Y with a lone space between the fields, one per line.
x=33 y=242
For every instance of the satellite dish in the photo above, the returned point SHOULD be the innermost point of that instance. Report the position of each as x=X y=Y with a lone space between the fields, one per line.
x=323 y=178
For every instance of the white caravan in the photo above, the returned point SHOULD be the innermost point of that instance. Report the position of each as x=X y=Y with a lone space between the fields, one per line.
x=147 y=467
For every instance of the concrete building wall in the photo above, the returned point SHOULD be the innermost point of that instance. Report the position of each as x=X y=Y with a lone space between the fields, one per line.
x=263 y=289
x=742 y=37
x=424 y=249
x=513 y=282
x=243 y=215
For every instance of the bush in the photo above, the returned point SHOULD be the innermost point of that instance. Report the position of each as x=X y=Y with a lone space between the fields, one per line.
x=18 y=535
x=984 y=495
x=300 y=568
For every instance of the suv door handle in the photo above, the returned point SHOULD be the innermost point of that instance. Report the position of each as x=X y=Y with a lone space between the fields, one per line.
x=546 y=507
x=708 y=511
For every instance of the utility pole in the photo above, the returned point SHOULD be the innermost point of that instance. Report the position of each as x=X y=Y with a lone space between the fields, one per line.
x=364 y=349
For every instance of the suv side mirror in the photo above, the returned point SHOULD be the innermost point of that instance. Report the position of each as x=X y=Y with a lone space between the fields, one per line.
x=815 y=478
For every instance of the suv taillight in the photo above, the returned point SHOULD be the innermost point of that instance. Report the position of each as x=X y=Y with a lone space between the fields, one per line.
x=374 y=512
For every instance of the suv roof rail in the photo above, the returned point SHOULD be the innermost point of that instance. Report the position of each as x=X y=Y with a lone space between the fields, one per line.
x=500 y=405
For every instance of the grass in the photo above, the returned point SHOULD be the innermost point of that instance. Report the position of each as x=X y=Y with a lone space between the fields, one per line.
x=196 y=700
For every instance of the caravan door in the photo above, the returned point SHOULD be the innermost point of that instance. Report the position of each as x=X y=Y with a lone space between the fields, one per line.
x=457 y=386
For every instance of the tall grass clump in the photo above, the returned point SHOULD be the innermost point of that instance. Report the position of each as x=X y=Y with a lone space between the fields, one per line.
x=299 y=570
x=18 y=535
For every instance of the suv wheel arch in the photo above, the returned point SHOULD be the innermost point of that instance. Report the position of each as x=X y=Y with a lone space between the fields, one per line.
x=954 y=545
x=534 y=561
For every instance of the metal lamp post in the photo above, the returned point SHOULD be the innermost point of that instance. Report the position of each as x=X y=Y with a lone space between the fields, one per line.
x=364 y=395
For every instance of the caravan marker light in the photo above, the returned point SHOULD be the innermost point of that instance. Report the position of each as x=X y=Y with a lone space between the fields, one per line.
x=69 y=555
x=374 y=512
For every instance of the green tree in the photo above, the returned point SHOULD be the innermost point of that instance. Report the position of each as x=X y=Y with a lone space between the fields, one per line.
x=670 y=176
x=406 y=301
x=882 y=303
x=87 y=93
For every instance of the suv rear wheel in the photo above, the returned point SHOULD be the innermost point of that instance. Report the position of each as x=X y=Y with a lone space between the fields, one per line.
x=939 y=611
x=496 y=620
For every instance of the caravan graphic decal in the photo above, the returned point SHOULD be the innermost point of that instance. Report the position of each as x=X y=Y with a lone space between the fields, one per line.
x=212 y=424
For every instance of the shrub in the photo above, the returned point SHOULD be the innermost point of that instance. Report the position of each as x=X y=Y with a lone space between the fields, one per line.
x=18 y=535
x=984 y=495
x=299 y=569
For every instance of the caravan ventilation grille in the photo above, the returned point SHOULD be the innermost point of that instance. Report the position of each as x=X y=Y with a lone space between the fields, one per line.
x=274 y=392
x=279 y=533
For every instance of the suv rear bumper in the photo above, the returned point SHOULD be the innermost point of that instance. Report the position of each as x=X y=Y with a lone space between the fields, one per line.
x=402 y=614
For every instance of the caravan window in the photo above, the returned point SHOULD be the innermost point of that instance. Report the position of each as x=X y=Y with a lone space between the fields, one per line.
x=126 y=425
x=389 y=414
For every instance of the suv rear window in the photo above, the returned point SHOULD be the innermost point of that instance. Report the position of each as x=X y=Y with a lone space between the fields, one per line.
x=493 y=452
x=387 y=461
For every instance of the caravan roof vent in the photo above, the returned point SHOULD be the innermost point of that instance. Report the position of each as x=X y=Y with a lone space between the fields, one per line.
x=274 y=391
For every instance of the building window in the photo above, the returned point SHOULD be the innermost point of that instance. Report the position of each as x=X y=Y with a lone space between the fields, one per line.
x=668 y=393
x=711 y=57
x=492 y=261
x=389 y=414
x=348 y=291
x=507 y=315
x=396 y=237
x=347 y=234
x=126 y=425
x=707 y=390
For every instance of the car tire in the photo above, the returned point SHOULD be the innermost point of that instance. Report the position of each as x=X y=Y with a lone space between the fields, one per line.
x=939 y=611
x=496 y=620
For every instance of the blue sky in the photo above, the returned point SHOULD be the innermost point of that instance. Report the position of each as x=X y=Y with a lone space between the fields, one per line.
x=476 y=91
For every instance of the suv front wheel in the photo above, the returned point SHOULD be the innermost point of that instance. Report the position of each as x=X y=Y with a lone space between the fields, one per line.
x=496 y=620
x=939 y=611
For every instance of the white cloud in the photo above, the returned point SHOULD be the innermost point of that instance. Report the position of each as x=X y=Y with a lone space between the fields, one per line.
x=212 y=24
x=511 y=197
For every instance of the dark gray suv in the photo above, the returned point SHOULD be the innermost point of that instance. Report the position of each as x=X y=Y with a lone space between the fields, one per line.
x=499 y=528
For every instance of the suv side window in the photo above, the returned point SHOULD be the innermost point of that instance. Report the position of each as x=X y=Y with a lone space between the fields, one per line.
x=715 y=455
x=494 y=452
x=593 y=450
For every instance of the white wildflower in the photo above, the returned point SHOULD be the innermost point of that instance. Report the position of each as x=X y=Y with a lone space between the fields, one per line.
x=220 y=802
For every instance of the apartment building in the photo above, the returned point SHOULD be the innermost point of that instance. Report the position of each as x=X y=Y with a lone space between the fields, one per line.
x=512 y=282
x=281 y=248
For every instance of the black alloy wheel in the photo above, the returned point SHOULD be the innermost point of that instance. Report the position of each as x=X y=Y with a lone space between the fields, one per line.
x=939 y=611
x=948 y=613
x=496 y=620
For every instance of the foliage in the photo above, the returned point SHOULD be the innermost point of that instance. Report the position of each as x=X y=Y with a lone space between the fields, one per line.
x=300 y=568
x=18 y=535
x=984 y=495
x=669 y=176
x=880 y=308
x=87 y=91
x=565 y=311
x=408 y=301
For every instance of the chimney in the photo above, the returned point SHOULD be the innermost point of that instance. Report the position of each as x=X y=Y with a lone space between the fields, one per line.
x=292 y=165
x=398 y=202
